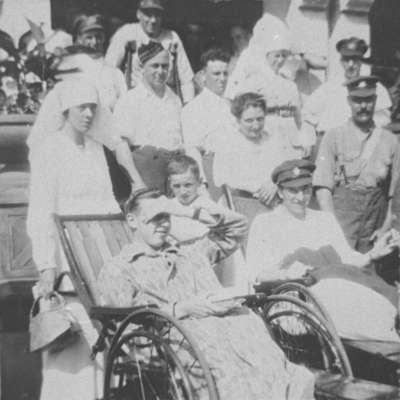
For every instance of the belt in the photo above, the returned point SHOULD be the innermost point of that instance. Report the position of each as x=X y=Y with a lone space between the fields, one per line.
x=283 y=111
x=352 y=185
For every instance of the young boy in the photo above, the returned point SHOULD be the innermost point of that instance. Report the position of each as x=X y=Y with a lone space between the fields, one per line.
x=186 y=186
x=185 y=183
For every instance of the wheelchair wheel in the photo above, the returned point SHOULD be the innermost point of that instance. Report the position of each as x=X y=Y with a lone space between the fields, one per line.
x=304 y=336
x=152 y=357
x=302 y=293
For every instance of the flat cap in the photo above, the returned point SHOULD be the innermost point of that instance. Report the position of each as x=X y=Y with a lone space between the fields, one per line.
x=152 y=4
x=293 y=173
x=362 y=86
x=352 y=47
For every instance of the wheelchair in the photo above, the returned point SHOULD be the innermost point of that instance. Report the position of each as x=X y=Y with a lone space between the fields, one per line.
x=149 y=355
x=371 y=360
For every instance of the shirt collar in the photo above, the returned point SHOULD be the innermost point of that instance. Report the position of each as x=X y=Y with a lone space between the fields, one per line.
x=363 y=136
x=134 y=251
x=212 y=96
x=148 y=91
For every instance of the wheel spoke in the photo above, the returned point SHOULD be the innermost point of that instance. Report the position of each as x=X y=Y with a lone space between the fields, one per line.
x=139 y=374
x=160 y=359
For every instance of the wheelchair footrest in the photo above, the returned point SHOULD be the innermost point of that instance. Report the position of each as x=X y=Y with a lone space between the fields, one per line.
x=329 y=386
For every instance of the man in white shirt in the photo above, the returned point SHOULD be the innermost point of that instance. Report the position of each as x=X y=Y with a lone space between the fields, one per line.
x=327 y=107
x=149 y=114
x=149 y=28
x=207 y=120
x=293 y=240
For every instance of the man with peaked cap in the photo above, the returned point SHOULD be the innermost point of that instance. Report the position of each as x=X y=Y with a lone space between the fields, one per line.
x=90 y=31
x=149 y=115
x=327 y=107
x=353 y=167
x=294 y=241
x=149 y=28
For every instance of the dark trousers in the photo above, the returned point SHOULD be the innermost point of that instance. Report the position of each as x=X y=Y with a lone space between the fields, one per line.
x=359 y=212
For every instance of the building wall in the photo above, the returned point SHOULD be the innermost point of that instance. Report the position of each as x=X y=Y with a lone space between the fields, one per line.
x=13 y=13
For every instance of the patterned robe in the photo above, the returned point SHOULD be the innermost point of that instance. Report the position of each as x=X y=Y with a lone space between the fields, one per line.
x=245 y=361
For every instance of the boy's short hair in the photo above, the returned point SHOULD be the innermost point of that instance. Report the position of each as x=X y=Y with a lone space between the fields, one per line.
x=132 y=205
x=214 y=54
x=182 y=163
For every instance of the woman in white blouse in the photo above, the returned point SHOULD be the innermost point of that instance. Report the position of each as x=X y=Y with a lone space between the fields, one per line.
x=70 y=177
x=246 y=162
x=294 y=240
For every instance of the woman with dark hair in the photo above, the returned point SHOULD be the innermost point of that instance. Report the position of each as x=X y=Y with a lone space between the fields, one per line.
x=247 y=161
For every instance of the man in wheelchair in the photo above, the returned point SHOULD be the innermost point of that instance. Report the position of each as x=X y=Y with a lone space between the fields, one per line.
x=244 y=360
x=293 y=241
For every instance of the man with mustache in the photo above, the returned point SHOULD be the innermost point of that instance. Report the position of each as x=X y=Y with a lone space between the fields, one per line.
x=327 y=107
x=353 y=167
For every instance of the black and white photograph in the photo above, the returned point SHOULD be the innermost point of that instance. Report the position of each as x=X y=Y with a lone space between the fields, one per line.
x=199 y=199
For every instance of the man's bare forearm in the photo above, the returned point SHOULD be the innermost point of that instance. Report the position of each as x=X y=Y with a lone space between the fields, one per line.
x=124 y=158
x=325 y=201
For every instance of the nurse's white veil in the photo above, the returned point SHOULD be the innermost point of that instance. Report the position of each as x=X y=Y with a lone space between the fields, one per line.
x=50 y=117
x=269 y=33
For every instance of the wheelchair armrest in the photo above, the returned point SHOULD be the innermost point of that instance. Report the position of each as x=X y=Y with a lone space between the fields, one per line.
x=254 y=300
x=268 y=287
x=333 y=386
x=114 y=313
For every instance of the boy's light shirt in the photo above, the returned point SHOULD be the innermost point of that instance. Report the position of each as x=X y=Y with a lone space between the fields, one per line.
x=187 y=230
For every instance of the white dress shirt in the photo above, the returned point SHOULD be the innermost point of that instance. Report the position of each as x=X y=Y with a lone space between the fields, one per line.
x=207 y=121
x=147 y=119
x=357 y=311
x=207 y=125
x=246 y=165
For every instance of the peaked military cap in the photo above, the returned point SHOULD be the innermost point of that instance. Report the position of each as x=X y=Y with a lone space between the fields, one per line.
x=293 y=173
x=86 y=23
x=151 y=4
x=352 y=47
x=362 y=86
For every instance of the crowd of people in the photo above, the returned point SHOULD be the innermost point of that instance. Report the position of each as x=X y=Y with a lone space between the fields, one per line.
x=139 y=104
